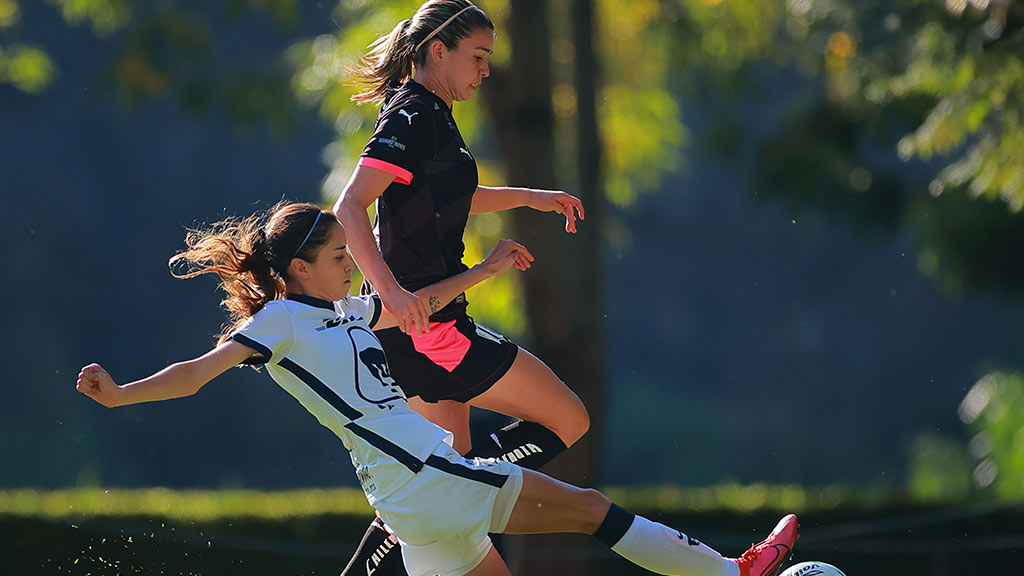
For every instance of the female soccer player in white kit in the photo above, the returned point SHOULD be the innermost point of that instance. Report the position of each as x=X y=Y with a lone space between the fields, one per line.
x=287 y=280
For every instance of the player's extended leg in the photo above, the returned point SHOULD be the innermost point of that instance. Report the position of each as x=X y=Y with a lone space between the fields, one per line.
x=552 y=416
x=548 y=505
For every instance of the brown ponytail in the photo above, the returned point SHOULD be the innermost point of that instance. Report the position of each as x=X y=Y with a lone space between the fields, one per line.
x=251 y=256
x=391 y=58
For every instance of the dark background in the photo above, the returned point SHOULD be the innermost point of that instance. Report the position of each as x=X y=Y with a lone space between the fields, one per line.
x=751 y=337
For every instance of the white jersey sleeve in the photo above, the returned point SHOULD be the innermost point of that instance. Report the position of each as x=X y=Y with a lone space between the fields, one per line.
x=270 y=332
x=366 y=307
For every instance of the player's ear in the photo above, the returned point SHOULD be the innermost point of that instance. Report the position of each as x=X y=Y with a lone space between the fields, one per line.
x=299 y=268
x=437 y=51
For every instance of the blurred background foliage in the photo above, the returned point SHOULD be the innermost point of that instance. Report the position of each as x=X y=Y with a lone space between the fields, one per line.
x=908 y=127
x=992 y=409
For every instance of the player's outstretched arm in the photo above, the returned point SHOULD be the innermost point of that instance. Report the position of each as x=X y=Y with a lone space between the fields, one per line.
x=505 y=254
x=491 y=199
x=175 y=381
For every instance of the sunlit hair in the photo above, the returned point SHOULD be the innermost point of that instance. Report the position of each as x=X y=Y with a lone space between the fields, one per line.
x=391 y=57
x=251 y=255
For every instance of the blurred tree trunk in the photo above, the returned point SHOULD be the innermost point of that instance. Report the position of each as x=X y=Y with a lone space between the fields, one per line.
x=564 y=292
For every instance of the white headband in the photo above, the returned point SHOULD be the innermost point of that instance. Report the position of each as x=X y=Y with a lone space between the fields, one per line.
x=441 y=27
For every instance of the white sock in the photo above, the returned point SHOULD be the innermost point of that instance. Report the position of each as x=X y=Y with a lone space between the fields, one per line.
x=663 y=550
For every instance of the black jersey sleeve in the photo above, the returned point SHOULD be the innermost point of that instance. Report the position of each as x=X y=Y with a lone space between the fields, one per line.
x=403 y=139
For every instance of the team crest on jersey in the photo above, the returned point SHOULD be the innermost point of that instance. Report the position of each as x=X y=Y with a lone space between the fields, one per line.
x=380 y=388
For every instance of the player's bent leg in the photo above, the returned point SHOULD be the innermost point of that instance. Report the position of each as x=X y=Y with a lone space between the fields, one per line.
x=492 y=565
x=553 y=417
x=548 y=505
x=531 y=391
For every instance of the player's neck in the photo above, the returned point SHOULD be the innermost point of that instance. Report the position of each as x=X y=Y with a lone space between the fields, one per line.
x=430 y=82
x=296 y=288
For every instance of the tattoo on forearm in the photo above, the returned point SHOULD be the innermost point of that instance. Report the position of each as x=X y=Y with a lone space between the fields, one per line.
x=435 y=304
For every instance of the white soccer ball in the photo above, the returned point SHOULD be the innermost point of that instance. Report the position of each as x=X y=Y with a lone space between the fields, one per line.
x=812 y=569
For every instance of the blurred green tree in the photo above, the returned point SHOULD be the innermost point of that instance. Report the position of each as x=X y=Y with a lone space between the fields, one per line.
x=939 y=469
x=960 y=61
x=994 y=411
x=936 y=85
x=28 y=68
x=161 y=50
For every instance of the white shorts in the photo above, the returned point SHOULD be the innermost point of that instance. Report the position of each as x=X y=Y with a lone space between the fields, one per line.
x=443 y=515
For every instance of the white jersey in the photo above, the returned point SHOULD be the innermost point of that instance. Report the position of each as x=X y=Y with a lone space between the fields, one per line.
x=325 y=355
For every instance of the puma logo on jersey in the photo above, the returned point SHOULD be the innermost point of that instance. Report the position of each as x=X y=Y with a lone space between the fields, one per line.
x=464 y=151
x=407 y=115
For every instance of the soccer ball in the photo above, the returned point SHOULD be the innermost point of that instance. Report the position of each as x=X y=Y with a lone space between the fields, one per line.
x=812 y=569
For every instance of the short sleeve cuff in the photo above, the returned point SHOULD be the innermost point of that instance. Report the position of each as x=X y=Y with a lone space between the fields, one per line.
x=265 y=353
x=377 y=307
x=402 y=176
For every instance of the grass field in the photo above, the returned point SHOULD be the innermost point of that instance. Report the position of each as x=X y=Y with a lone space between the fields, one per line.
x=94 y=531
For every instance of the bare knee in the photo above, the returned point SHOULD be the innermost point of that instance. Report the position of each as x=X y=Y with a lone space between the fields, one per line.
x=594 y=507
x=574 y=424
x=548 y=505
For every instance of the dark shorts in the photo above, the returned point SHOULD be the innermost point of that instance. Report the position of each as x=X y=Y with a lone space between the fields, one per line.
x=457 y=360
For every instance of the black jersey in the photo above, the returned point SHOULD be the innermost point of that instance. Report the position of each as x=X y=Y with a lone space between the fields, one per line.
x=422 y=215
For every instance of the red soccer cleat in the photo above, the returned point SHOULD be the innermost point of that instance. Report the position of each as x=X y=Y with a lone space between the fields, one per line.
x=765 y=558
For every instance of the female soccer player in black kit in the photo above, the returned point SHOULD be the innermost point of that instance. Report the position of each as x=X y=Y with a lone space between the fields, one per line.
x=423 y=178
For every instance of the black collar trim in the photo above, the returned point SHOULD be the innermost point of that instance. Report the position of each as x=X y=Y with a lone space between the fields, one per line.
x=311 y=301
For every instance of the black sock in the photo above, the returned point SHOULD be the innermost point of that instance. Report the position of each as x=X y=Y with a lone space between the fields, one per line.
x=614 y=526
x=378 y=553
x=527 y=444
